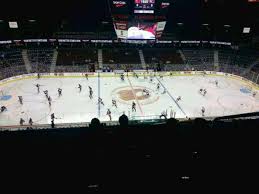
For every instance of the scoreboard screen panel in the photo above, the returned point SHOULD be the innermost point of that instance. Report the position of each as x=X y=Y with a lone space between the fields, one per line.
x=142 y=30
x=144 y=4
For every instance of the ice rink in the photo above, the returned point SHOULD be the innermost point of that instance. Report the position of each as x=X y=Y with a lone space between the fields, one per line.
x=230 y=97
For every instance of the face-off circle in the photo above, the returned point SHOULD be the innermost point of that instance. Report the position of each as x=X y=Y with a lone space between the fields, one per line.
x=126 y=95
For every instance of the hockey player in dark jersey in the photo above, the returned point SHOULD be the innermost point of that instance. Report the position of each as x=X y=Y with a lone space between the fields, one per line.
x=80 y=87
x=109 y=114
x=20 y=99
x=114 y=103
x=133 y=107
x=59 y=92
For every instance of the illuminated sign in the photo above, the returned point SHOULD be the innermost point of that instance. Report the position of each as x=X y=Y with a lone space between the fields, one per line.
x=13 y=25
x=119 y=3
x=246 y=30
x=164 y=5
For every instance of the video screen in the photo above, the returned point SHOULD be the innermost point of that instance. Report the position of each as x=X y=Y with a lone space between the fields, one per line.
x=144 y=31
x=145 y=4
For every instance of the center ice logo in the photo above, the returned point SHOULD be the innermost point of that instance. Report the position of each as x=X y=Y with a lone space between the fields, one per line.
x=129 y=95
x=126 y=95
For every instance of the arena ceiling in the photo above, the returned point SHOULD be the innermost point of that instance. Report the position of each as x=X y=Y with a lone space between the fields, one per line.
x=225 y=19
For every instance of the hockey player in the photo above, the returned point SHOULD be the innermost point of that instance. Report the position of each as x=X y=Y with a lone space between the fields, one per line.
x=146 y=92
x=201 y=90
x=172 y=113
x=80 y=87
x=100 y=101
x=91 y=94
x=52 y=117
x=216 y=82
x=46 y=93
x=109 y=114
x=38 y=75
x=86 y=76
x=30 y=121
x=178 y=98
x=164 y=91
x=49 y=100
x=135 y=74
x=133 y=106
x=203 y=111
x=114 y=103
x=254 y=94
x=151 y=79
x=204 y=92
x=122 y=77
x=59 y=92
x=20 y=99
x=158 y=86
x=38 y=87
x=3 y=108
x=21 y=121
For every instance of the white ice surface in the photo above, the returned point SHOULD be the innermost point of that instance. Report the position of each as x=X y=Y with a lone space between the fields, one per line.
x=74 y=106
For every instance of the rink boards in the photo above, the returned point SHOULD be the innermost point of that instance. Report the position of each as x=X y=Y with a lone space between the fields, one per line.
x=139 y=72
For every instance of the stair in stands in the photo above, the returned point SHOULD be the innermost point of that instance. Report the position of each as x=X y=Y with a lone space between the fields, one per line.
x=216 y=60
x=100 y=58
x=26 y=60
x=185 y=61
x=142 y=59
x=54 y=61
x=249 y=69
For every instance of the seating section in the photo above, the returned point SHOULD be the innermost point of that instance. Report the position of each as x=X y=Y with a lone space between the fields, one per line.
x=121 y=56
x=75 y=68
x=11 y=63
x=246 y=58
x=198 y=57
x=162 y=56
x=40 y=59
x=125 y=67
x=240 y=62
x=78 y=57
x=76 y=60
x=226 y=57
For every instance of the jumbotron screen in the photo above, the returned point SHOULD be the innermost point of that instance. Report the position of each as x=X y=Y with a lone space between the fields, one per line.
x=136 y=30
x=143 y=31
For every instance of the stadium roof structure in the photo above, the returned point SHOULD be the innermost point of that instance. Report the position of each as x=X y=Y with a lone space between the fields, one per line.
x=225 y=20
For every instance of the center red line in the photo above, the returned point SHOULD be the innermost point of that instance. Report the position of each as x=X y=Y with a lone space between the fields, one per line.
x=135 y=97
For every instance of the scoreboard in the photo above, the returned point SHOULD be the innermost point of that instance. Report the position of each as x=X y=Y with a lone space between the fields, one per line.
x=139 y=19
x=145 y=4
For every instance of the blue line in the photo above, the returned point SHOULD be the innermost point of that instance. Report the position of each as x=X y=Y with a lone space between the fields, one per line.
x=171 y=96
x=99 y=93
